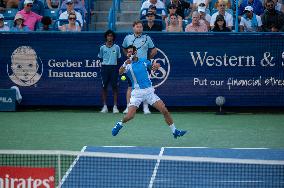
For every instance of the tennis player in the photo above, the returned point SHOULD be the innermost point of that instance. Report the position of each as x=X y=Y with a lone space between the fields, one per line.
x=142 y=90
x=145 y=49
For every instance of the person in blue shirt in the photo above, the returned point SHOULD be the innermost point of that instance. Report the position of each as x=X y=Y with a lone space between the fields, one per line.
x=142 y=90
x=145 y=49
x=109 y=55
x=255 y=4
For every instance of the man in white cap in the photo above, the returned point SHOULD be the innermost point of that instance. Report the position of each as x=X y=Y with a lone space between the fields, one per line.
x=70 y=8
x=3 y=27
x=250 y=22
x=38 y=7
x=203 y=15
x=29 y=16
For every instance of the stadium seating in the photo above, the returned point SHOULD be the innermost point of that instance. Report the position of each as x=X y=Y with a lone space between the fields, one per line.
x=53 y=14
x=10 y=14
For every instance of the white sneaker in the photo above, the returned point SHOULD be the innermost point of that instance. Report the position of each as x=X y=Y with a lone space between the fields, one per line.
x=146 y=109
x=115 y=110
x=126 y=110
x=104 y=109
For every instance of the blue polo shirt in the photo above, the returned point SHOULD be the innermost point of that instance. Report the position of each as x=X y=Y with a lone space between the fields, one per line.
x=138 y=74
x=143 y=43
x=109 y=54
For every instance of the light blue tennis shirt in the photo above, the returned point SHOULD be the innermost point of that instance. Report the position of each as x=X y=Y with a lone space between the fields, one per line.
x=138 y=74
x=142 y=42
x=109 y=54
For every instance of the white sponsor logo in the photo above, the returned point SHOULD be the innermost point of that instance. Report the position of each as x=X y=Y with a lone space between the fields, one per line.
x=12 y=182
x=25 y=66
x=159 y=76
x=6 y=100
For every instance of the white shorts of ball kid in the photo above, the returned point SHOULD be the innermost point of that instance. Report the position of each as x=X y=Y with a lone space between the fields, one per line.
x=140 y=95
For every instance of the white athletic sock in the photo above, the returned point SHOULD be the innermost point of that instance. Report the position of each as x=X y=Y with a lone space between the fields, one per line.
x=173 y=128
x=120 y=122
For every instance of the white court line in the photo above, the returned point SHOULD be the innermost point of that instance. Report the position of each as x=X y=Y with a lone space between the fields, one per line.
x=71 y=167
x=250 y=148
x=215 y=148
x=239 y=181
x=187 y=147
x=119 y=146
x=156 y=168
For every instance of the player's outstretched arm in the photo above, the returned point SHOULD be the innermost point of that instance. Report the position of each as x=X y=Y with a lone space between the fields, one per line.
x=123 y=67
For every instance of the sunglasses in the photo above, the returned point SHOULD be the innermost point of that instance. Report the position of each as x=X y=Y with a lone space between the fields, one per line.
x=269 y=5
x=72 y=18
x=29 y=5
x=222 y=5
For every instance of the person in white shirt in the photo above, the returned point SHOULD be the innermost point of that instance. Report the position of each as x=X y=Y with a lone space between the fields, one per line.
x=250 y=22
x=157 y=3
x=3 y=27
x=222 y=11
x=278 y=6
x=70 y=8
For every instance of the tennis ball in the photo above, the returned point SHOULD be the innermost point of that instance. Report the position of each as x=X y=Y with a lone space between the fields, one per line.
x=123 y=78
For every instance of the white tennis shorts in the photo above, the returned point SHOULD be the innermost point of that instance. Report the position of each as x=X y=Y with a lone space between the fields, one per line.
x=140 y=95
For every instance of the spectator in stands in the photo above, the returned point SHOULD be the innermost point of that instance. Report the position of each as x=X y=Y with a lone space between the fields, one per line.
x=46 y=22
x=278 y=6
x=152 y=9
x=151 y=25
x=3 y=27
x=71 y=26
x=196 y=4
x=157 y=3
x=181 y=6
x=172 y=9
x=255 y=4
x=226 y=2
x=53 y=4
x=197 y=25
x=250 y=22
x=19 y=24
x=78 y=6
x=173 y=25
x=70 y=8
x=222 y=11
x=37 y=7
x=272 y=20
x=30 y=18
x=8 y=4
x=220 y=24
x=203 y=15
x=2 y=6
x=109 y=55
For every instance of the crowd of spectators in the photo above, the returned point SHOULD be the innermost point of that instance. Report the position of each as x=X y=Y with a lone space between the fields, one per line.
x=210 y=15
x=156 y=15
x=31 y=15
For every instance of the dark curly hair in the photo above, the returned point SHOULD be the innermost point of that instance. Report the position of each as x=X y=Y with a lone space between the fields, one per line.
x=109 y=32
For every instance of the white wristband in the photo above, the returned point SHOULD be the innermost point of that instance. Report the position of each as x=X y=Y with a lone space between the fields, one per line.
x=124 y=65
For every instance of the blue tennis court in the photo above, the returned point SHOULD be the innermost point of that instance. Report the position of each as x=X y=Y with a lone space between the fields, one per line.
x=207 y=168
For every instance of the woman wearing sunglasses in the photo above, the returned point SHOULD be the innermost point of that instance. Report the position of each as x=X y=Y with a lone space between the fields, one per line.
x=72 y=26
